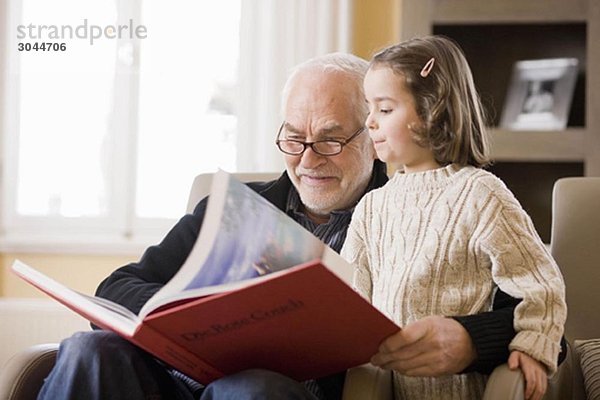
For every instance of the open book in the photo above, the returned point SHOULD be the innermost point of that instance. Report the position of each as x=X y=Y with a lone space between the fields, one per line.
x=256 y=291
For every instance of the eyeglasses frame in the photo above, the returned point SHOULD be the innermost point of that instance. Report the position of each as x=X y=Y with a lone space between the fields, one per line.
x=311 y=144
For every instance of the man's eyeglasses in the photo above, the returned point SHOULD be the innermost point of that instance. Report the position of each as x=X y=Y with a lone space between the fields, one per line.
x=322 y=147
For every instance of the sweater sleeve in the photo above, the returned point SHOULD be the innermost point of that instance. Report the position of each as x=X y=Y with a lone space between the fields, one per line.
x=133 y=284
x=355 y=252
x=523 y=268
x=491 y=333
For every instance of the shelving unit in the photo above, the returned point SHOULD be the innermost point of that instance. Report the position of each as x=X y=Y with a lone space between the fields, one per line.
x=496 y=33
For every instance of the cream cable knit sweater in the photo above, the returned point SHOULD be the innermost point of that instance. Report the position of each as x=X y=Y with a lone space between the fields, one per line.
x=438 y=243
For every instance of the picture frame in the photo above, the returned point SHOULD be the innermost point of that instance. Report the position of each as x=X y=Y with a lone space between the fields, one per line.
x=540 y=94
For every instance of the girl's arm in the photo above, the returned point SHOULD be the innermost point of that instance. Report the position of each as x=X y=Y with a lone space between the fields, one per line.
x=523 y=268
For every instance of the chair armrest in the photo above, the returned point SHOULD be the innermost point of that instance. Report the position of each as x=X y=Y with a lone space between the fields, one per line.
x=504 y=384
x=368 y=382
x=23 y=374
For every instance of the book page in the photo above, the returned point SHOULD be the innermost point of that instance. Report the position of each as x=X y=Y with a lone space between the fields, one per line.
x=243 y=236
x=100 y=311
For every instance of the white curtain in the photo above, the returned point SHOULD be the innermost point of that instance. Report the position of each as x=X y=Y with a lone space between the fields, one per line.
x=275 y=36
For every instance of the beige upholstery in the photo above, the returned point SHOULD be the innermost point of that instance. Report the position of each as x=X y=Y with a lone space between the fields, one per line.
x=368 y=382
x=23 y=375
x=575 y=245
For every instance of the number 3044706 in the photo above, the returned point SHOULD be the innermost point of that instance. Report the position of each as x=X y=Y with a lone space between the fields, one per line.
x=43 y=46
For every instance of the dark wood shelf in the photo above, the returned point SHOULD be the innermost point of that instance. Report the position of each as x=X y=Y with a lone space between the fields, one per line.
x=492 y=50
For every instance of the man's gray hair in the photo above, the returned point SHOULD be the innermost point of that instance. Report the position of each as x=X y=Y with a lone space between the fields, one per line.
x=355 y=67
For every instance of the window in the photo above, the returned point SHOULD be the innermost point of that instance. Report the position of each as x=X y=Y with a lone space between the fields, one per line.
x=186 y=118
x=105 y=137
x=100 y=142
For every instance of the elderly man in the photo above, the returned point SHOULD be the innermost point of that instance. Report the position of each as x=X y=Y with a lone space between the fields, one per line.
x=330 y=165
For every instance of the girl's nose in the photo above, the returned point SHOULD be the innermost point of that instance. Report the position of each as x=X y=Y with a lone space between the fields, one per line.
x=370 y=122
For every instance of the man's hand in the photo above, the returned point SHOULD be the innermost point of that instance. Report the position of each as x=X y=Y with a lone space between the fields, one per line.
x=432 y=346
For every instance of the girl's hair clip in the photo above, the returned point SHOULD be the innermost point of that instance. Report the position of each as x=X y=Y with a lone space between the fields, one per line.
x=427 y=68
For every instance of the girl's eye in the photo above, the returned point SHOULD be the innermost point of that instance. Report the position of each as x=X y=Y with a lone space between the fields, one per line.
x=385 y=111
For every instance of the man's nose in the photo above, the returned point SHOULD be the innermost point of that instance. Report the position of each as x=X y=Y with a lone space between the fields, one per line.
x=309 y=159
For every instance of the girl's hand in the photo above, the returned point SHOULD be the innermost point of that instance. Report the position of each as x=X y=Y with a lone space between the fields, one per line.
x=536 y=377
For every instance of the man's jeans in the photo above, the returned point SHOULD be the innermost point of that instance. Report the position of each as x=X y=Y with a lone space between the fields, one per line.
x=101 y=365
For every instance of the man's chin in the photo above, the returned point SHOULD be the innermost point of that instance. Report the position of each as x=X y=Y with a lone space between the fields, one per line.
x=316 y=207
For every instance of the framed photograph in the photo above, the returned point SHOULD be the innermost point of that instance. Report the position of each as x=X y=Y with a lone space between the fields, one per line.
x=540 y=93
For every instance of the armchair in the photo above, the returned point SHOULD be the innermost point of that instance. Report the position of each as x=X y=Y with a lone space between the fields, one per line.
x=23 y=375
x=369 y=382
x=575 y=245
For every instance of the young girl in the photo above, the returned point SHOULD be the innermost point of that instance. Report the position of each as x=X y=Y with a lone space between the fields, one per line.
x=440 y=236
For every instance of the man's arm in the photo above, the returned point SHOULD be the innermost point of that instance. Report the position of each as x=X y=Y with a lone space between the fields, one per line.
x=491 y=333
x=133 y=284
x=435 y=346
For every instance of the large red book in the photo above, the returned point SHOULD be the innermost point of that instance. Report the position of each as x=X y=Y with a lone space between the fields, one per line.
x=257 y=291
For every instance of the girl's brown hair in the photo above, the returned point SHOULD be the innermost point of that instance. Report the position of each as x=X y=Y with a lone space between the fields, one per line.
x=453 y=121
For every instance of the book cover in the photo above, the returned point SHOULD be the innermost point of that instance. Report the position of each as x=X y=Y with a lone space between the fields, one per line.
x=257 y=291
